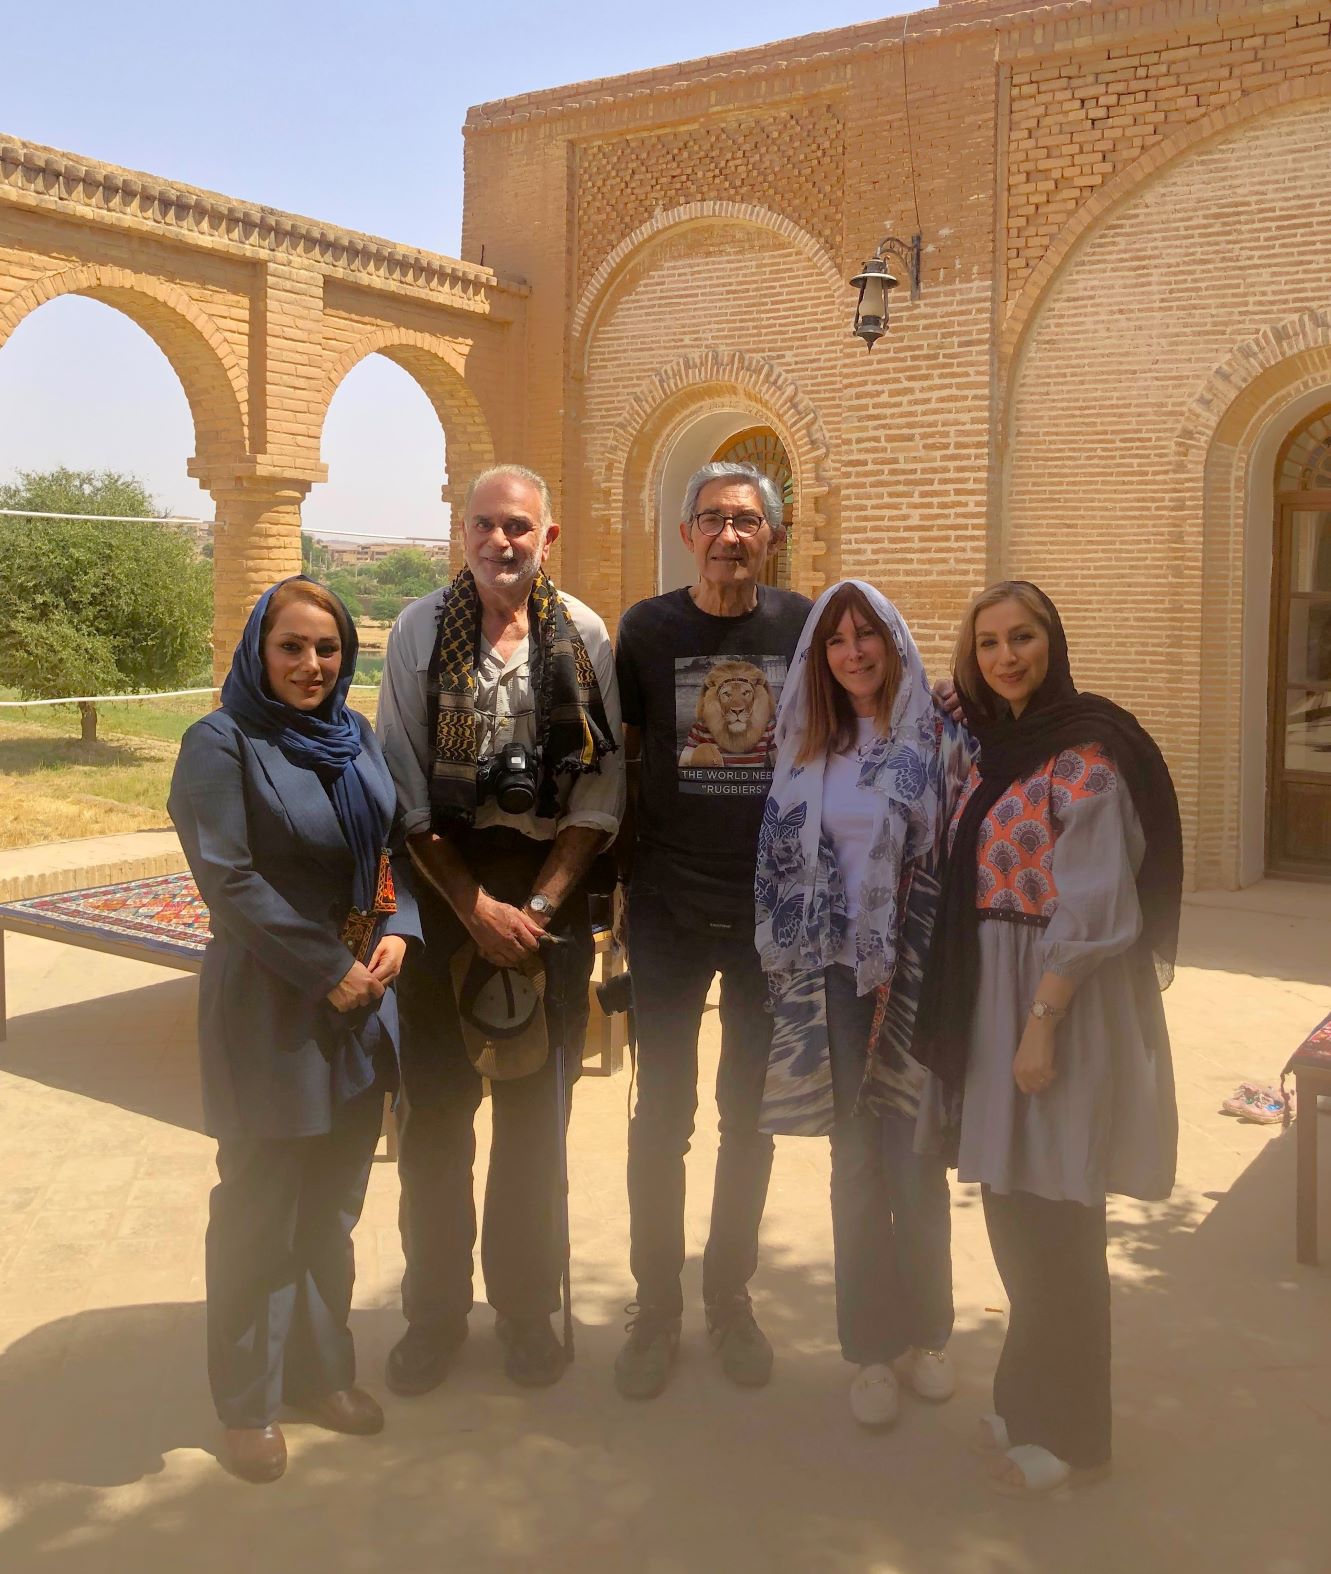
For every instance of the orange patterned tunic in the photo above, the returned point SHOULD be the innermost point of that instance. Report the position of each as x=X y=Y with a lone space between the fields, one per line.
x=1015 y=879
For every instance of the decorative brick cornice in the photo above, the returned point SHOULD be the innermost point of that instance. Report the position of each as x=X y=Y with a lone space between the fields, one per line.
x=52 y=178
x=1022 y=29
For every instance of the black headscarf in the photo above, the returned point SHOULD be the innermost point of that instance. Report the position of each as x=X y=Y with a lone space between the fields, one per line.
x=1055 y=718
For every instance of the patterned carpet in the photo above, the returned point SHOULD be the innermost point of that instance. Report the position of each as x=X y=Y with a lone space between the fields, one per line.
x=1316 y=1048
x=165 y=914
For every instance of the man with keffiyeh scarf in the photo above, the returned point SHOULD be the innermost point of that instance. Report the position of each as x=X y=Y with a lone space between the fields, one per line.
x=497 y=658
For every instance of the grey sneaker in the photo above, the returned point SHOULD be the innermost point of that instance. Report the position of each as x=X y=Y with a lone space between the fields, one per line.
x=642 y=1367
x=746 y=1354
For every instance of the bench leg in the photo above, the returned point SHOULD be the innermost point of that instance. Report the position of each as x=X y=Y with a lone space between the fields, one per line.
x=1305 y=1209
x=390 y=1130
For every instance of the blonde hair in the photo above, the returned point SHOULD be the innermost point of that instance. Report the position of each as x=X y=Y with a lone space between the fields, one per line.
x=829 y=720
x=978 y=698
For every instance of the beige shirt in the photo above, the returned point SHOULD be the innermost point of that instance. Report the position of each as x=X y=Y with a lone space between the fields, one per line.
x=506 y=713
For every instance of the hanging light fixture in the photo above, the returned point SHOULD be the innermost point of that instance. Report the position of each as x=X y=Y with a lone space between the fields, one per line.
x=875 y=280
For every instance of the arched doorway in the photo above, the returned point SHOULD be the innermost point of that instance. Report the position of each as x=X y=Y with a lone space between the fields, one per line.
x=1299 y=801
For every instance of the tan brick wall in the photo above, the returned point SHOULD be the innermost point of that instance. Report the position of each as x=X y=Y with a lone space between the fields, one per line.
x=1078 y=118
x=1225 y=244
x=789 y=160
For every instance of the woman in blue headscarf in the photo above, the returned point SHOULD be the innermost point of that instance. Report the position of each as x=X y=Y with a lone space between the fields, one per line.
x=286 y=810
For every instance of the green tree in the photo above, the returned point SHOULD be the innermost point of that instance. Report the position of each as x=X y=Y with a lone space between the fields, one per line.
x=406 y=572
x=315 y=558
x=92 y=608
x=342 y=582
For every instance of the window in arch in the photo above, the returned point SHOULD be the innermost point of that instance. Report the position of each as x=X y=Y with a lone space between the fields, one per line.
x=1307 y=463
x=760 y=447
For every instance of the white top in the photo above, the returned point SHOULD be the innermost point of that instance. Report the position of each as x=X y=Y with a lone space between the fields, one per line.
x=506 y=711
x=848 y=823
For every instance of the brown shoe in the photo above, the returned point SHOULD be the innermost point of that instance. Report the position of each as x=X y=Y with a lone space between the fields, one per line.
x=255 y=1453
x=348 y=1410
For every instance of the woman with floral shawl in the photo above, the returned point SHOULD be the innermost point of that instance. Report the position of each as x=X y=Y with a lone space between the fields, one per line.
x=845 y=893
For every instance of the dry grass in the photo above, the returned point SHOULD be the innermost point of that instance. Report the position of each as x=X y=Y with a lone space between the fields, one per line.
x=53 y=788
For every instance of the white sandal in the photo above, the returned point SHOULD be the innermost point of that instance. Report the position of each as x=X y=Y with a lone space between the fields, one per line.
x=1042 y=1473
x=991 y=1437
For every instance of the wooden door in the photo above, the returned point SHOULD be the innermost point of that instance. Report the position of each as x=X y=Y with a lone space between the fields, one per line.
x=1299 y=824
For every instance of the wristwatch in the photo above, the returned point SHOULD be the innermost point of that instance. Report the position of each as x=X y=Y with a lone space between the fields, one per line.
x=541 y=905
x=1042 y=1009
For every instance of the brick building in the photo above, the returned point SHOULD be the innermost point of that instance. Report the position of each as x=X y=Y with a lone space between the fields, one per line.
x=1116 y=378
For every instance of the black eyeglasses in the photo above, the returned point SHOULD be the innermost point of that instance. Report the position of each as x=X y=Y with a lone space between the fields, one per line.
x=712 y=522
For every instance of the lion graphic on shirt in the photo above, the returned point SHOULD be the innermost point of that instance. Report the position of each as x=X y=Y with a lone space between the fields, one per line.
x=735 y=718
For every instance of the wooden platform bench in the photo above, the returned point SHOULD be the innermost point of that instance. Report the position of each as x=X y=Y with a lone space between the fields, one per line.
x=164 y=920
x=1310 y=1066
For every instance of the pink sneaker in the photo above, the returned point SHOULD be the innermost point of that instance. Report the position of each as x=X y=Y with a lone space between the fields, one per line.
x=1241 y=1099
x=1271 y=1107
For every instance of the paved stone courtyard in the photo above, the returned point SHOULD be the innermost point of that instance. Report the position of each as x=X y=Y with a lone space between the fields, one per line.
x=1223 y=1346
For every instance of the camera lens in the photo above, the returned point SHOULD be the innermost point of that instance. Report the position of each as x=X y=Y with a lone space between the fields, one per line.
x=515 y=796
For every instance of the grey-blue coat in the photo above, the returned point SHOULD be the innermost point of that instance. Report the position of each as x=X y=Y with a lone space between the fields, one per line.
x=266 y=850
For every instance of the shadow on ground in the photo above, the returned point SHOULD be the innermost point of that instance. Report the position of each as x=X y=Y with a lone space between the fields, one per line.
x=1266 y=945
x=1223 y=1422
x=136 y=1050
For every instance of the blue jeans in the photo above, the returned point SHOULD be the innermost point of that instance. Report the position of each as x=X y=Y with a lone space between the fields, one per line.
x=891 y=1220
x=673 y=967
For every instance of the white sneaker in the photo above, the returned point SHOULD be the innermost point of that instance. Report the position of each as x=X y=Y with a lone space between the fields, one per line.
x=930 y=1374
x=875 y=1396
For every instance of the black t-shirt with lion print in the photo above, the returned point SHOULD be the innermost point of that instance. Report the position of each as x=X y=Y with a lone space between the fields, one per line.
x=704 y=692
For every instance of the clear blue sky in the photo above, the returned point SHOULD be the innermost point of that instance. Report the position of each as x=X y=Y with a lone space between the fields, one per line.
x=347 y=113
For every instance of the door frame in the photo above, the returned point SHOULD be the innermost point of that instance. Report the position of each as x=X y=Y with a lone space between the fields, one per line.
x=1287 y=503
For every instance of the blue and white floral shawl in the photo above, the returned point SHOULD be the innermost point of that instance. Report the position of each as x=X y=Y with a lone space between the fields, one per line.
x=801 y=906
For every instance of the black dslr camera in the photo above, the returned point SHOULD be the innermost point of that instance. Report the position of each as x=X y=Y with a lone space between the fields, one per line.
x=509 y=777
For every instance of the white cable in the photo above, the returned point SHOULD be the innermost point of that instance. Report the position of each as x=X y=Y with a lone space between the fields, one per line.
x=180 y=519
x=121 y=699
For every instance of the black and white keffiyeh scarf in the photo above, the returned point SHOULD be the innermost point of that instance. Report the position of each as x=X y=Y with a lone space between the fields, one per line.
x=572 y=731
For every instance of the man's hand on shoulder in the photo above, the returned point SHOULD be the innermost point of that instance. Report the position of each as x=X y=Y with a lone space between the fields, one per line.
x=949 y=701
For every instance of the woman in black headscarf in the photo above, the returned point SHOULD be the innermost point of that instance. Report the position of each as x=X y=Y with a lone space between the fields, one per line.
x=1041 y=1016
x=285 y=808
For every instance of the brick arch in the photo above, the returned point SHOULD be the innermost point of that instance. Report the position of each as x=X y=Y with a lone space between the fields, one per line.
x=1119 y=188
x=1215 y=460
x=690 y=215
x=437 y=366
x=198 y=352
x=659 y=411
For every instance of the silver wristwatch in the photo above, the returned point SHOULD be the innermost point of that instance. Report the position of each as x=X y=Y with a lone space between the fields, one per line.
x=1042 y=1009
x=541 y=905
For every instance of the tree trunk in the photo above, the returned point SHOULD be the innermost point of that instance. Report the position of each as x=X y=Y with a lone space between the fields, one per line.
x=87 y=722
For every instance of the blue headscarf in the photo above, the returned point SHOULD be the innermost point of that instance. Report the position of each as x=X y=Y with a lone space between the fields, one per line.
x=325 y=741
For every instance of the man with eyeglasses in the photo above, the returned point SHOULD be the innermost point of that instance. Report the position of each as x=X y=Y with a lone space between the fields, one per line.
x=700 y=674
x=498 y=669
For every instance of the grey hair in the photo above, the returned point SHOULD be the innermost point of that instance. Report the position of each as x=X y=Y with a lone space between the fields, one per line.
x=512 y=473
x=750 y=475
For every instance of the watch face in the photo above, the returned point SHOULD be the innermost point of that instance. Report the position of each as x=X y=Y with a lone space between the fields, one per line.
x=539 y=904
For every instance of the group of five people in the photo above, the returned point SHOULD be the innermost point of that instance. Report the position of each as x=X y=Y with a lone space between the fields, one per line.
x=940 y=920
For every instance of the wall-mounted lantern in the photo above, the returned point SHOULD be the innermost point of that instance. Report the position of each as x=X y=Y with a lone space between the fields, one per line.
x=874 y=281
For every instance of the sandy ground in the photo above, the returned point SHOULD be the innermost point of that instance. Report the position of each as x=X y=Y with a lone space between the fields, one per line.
x=1223 y=1346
